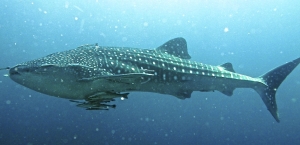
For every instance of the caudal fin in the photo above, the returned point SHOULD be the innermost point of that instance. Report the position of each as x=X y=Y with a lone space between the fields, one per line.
x=273 y=79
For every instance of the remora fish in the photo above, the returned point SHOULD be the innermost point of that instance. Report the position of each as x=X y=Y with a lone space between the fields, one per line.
x=99 y=74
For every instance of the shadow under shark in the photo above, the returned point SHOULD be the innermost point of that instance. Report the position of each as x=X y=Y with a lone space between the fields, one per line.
x=98 y=74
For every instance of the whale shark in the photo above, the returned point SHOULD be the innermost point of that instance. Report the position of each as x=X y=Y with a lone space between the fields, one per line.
x=92 y=76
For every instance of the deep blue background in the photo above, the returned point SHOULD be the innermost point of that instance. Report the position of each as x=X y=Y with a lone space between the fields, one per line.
x=261 y=36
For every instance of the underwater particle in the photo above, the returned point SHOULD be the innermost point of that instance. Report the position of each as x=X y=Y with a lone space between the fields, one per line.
x=124 y=39
x=226 y=29
x=145 y=24
x=75 y=136
x=207 y=123
x=221 y=118
x=123 y=138
x=113 y=131
x=97 y=129
x=6 y=75
x=64 y=140
x=76 y=18
x=294 y=100
x=8 y=102
x=78 y=8
x=66 y=4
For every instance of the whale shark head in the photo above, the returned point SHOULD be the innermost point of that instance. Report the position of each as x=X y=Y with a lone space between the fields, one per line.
x=54 y=74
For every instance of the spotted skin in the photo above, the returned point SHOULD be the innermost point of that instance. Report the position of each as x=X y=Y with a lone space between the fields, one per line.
x=102 y=73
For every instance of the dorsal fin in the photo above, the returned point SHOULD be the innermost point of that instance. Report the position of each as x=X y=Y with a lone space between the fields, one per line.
x=228 y=66
x=176 y=47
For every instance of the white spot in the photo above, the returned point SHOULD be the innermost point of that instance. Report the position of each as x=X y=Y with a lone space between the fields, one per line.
x=182 y=70
x=175 y=77
x=213 y=74
x=174 y=68
x=203 y=73
x=163 y=64
x=132 y=69
x=164 y=76
x=153 y=63
x=155 y=73
x=119 y=71
x=191 y=71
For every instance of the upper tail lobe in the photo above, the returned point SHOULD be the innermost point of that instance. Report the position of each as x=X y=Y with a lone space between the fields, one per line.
x=273 y=79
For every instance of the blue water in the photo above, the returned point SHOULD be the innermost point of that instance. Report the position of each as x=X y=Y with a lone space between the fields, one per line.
x=255 y=36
